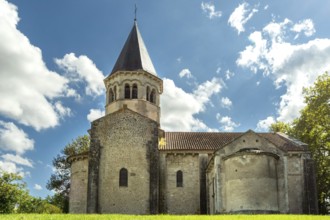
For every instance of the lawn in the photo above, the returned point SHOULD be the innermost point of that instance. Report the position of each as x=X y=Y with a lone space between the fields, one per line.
x=160 y=217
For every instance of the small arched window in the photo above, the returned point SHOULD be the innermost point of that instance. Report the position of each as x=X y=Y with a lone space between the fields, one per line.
x=115 y=93
x=123 y=177
x=153 y=96
x=179 y=179
x=135 y=92
x=127 y=91
x=111 y=96
x=148 y=93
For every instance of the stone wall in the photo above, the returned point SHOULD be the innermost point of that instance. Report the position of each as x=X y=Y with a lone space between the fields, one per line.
x=127 y=140
x=78 y=187
x=252 y=175
x=295 y=180
x=185 y=199
x=251 y=182
x=246 y=170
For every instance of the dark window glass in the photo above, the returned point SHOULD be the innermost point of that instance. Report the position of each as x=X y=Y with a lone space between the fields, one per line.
x=111 y=96
x=135 y=92
x=153 y=96
x=127 y=91
x=179 y=179
x=148 y=93
x=123 y=177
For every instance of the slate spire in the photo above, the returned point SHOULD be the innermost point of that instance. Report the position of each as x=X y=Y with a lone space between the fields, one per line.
x=134 y=55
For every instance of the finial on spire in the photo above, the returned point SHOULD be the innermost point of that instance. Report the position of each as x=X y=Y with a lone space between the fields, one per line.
x=135 y=12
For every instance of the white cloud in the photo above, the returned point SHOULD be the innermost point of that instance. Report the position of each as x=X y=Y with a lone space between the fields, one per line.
x=240 y=16
x=185 y=73
x=226 y=123
x=218 y=70
x=95 y=114
x=306 y=26
x=264 y=125
x=10 y=167
x=209 y=9
x=179 y=59
x=37 y=187
x=14 y=139
x=73 y=93
x=27 y=87
x=179 y=108
x=17 y=159
x=291 y=65
x=226 y=102
x=83 y=69
x=61 y=110
x=229 y=74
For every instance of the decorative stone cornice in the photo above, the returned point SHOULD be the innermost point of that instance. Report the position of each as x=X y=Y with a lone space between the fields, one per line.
x=76 y=157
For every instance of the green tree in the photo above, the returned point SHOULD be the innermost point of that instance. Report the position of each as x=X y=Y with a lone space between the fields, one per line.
x=12 y=192
x=281 y=127
x=313 y=128
x=60 y=180
x=31 y=204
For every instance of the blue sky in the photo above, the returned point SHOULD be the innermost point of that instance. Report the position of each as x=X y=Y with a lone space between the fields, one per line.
x=226 y=66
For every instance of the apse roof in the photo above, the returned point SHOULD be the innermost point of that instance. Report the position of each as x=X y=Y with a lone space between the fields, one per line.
x=134 y=55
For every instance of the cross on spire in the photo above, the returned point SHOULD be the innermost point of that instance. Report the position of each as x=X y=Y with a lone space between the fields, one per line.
x=135 y=13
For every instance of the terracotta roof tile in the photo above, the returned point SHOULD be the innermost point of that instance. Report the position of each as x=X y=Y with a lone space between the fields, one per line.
x=210 y=141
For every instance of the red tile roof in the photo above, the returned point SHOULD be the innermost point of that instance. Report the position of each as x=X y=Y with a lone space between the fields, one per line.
x=210 y=141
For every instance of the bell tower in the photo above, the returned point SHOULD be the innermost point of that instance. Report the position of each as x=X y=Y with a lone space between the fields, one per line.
x=133 y=81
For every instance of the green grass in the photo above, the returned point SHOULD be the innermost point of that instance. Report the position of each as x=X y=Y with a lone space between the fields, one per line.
x=160 y=217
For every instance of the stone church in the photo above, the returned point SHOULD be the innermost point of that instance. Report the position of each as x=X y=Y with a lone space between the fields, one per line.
x=135 y=167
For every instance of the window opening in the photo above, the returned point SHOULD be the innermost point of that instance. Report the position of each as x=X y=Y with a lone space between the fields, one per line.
x=111 y=96
x=148 y=93
x=153 y=96
x=135 y=92
x=114 y=93
x=179 y=179
x=123 y=177
x=127 y=91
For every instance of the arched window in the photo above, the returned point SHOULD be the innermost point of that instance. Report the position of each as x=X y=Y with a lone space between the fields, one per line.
x=135 y=91
x=123 y=177
x=148 y=93
x=127 y=91
x=179 y=179
x=111 y=96
x=115 y=93
x=153 y=96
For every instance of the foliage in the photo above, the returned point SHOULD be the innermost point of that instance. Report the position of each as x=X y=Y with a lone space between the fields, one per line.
x=12 y=191
x=60 y=180
x=313 y=128
x=37 y=205
x=15 y=198
x=281 y=127
x=165 y=217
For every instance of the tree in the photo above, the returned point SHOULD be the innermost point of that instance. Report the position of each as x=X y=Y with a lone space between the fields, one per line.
x=12 y=190
x=60 y=180
x=281 y=127
x=15 y=198
x=37 y=205
x=313 y=128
